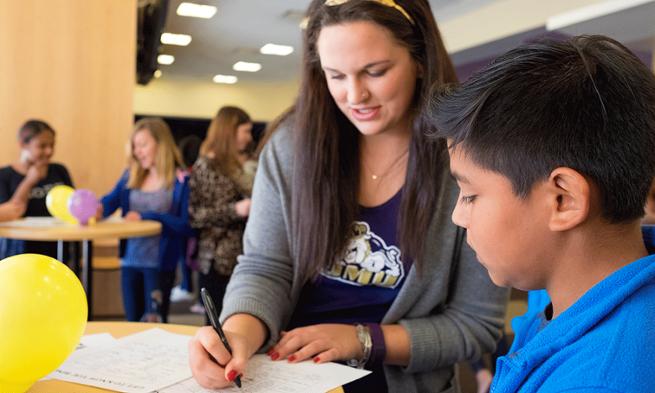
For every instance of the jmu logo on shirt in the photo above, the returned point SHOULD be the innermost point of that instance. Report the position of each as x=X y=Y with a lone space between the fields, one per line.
x=367 y=260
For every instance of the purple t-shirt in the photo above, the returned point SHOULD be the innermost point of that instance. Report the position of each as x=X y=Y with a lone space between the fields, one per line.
x=364 y=281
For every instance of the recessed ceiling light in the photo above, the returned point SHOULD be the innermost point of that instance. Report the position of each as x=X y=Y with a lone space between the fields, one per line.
x=245 y=66
x=278 y=50
x=228 y=79
x=175 y=39
x=196 y=10
x=157 y=74
x=165 y=59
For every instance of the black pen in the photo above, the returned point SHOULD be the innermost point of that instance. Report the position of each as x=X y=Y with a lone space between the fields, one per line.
x=210 y=309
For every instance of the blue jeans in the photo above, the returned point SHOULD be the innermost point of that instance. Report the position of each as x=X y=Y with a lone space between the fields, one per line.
x=146 y=291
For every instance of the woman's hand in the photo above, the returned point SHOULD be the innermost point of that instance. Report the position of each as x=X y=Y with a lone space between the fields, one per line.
x=99 y=212
x=36 y=172
x=211 y=364
x=323 y=343
x=242 y=208
x=132 y=216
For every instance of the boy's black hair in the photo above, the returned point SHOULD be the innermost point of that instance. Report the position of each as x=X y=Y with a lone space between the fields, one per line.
x=586 y=103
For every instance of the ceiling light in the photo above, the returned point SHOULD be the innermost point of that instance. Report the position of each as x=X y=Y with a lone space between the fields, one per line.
x=165 y=59
x=228 y=79
x=245 y=66
x=157 y=74
x=278 y=50
x=196 y=10
x=175 y=39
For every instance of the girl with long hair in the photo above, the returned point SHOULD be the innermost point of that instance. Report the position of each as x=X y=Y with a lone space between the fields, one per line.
x=154 y=187
x=350 y=254
x=219 y=203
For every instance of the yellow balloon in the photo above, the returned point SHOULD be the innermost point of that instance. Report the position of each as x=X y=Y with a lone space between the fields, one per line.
x=57 y=203
x=43 y=314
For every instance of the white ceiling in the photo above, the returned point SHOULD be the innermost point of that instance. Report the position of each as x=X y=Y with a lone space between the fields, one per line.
x=241 y=27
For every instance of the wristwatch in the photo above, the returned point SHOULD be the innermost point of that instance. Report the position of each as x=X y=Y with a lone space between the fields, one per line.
x=364 y=337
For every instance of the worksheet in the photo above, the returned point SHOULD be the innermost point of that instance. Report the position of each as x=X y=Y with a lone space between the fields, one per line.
x=139 y=363
x=89 y=341
x=266 y=376
x=157 y=361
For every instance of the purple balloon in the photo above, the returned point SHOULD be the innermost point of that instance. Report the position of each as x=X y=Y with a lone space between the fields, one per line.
x=82 y=205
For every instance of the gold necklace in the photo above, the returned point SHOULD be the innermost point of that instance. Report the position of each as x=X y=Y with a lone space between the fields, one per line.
x=388 y=170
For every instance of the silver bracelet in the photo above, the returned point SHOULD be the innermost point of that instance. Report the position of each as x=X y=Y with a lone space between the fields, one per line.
x=364 y=337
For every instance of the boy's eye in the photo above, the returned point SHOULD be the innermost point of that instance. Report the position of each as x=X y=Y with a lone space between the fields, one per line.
x=467 y=199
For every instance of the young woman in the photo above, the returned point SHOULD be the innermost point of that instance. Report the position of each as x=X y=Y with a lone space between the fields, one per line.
x=219 y=204
x=154 y=188
x=350 y=254
x=25 y=183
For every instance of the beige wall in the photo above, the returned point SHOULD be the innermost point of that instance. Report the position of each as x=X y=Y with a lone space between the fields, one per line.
x=71 y=63
x=263 y=101
x=501 y=19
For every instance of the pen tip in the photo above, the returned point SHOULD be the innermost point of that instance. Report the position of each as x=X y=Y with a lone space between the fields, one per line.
x=237 y=381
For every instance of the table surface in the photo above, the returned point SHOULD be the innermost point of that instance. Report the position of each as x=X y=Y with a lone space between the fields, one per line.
x=117 y=329
x=51 y=229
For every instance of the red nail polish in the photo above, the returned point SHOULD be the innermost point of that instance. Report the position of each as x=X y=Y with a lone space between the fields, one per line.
x=317 y=359
x=231 y=375
x=275 y=356
x=270 y=351
x=291 y=358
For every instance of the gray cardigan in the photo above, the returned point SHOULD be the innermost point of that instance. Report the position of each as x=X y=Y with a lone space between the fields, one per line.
x=444 y=327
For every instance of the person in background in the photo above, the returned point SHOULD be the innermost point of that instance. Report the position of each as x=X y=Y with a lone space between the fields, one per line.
x=220 y=197
x=349 y=252
x=552 y=146
x=25 y=184
x=283 y=118
x=189 y=148
x=155 y=187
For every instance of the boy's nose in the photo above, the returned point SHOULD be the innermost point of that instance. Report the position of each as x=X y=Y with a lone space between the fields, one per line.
x=459 y=216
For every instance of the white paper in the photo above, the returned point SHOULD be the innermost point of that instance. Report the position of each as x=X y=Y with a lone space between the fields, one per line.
x=139 y=363
x=89 y=341
x=96 y=340
x=266 y=376
x=36 y=222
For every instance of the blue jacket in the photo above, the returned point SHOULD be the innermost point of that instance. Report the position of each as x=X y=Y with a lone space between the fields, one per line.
x=604 y=342
x=175 y=224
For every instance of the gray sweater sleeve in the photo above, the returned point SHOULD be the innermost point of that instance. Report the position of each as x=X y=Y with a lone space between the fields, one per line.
x=469 y=325
x=261 y=284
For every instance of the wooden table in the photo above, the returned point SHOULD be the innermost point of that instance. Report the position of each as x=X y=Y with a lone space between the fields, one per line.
x=52 y=229
x=116 y=329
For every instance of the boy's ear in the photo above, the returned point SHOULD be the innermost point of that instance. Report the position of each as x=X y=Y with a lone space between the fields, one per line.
x=569 y=197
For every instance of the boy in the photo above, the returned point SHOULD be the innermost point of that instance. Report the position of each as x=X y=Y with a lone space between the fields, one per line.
x=553 y=147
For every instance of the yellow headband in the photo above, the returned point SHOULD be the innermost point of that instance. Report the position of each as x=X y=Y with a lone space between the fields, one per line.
x=388 y=3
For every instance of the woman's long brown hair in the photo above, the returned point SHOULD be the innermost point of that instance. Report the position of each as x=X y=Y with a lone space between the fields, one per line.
x=326 y=167
x=220 y=143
